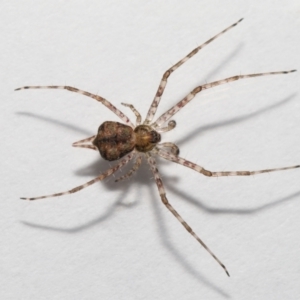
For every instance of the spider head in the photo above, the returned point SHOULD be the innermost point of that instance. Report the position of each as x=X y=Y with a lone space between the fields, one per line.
x=145 y=138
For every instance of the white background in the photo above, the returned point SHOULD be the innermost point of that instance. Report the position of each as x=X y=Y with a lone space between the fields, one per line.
x=118 y=241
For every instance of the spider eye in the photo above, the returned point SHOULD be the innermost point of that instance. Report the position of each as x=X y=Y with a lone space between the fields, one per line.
x=155 y=137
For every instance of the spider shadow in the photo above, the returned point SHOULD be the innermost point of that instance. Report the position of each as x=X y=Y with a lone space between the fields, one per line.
x=141 y=180
x=122 y=188
x=55 y=122
x=94 y=169
x=179 y=257
x=215 y=70
x=241 y=211
x=224 y=62
x=199 y=204
x=228 y=122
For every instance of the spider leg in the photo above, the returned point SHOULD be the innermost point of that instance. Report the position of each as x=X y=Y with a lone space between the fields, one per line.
x=208 y=173
x=89 y=139
x=134 y=168
x=137 y=114
x=163 y=82
x=173 y=147
x=86 y=146
x=96 y=97
x=99 y=178
x=165 y=201
x=177 y=107
x=171 y=125
x=82 y=145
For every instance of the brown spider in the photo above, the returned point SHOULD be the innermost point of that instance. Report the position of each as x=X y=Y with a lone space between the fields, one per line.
x=115 y=140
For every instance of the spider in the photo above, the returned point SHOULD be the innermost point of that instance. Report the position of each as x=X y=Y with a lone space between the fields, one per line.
x=127 y=141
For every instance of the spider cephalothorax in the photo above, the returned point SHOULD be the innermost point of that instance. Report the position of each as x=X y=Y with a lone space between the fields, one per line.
x=145 y=138
x=115 y=140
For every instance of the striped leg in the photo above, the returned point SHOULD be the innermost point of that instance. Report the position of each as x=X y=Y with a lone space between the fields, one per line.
x=137 y=114
x=134 y=168
x=177 y=107
x=171 y=125
x=96 y=97
x=164 y=79
x=201 y=170
x=82 y=144
x=165 y=201
x=99 y=178
x=173 y=147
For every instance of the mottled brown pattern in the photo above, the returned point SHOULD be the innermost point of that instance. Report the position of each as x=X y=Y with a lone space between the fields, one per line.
x=114 y=140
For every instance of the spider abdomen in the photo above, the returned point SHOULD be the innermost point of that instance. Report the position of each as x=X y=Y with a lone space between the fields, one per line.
x=114 y=140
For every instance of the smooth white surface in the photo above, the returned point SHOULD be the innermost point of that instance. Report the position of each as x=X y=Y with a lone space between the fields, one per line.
x=94 y=244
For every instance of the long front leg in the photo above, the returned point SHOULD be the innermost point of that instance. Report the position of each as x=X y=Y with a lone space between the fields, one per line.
x=177 y=107
x=165 y=201
x=166 y=75
x=197 y=168
x=99 y=178
x=96 y=97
